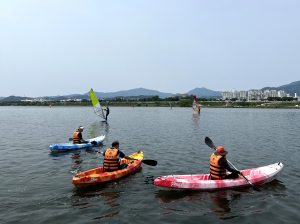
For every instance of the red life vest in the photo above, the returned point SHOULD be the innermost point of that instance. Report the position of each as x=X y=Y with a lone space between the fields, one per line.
x=111 y=161
x=76 y=139
x=216 y=171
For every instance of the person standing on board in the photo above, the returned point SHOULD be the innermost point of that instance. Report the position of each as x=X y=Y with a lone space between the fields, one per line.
x=112 y=158
x=107 y=112
x=199 y=108
x=77 y=136
x=219 y=165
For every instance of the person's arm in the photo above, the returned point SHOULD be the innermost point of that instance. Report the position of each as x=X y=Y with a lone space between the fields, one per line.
x=84 y=141
x=127 y=157
x=122 y=155
x=81 y=139
x=226 y=165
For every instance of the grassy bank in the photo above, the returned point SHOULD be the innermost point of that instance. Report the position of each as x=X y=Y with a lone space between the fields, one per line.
x=212 y=104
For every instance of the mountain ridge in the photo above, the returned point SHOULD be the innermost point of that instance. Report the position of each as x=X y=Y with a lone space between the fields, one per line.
x=199 y=92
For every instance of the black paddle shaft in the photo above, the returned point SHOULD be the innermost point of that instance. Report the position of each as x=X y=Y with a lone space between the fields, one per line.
x=149 y=162
x=210 y=143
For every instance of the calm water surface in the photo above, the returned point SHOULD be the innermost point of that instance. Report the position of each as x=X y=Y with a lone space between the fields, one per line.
x=36 y=184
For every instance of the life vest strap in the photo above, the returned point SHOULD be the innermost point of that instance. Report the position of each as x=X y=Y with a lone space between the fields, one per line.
x=215 y=174
x=217 y=171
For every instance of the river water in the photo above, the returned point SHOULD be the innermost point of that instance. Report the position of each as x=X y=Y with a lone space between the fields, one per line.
x=36 y=184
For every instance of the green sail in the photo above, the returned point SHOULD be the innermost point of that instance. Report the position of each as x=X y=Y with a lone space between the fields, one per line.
x=96 y=104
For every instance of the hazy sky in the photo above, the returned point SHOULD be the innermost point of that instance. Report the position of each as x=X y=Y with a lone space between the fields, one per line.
x=50 y=48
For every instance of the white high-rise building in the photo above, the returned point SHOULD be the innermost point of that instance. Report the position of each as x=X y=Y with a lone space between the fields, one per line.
x=281 y=93
x=243 y=95
x=226 y=95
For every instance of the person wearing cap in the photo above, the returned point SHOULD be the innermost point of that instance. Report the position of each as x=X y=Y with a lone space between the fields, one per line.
x=77 y=136
x=107 y=112
x=112 y=158
x=219 y=165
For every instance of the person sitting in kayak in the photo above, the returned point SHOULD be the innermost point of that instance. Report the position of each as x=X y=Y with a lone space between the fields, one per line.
x=112 y=158
x=107 y=112
x=77 y=136
x=219 y=165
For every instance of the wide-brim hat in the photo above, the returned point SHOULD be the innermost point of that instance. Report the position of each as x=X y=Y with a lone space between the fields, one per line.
x=221 y=151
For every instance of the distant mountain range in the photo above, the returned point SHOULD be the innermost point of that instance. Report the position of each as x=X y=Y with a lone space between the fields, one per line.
x=132 y=92
x=290 y=88
x=199 y=92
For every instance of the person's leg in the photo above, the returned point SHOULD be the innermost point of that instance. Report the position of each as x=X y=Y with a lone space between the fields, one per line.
x=123 y=165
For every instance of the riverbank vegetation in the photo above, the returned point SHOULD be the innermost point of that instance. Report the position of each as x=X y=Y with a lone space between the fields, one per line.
x=155 y=101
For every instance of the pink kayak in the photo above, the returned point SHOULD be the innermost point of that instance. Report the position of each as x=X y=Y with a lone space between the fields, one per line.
x=257 y=176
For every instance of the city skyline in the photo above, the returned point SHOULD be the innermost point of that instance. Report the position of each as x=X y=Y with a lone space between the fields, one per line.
x=256 y=94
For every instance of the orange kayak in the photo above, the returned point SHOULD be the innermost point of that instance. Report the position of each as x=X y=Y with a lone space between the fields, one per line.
x=96 y=176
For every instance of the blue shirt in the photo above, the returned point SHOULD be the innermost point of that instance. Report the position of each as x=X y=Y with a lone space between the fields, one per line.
x=120 y=154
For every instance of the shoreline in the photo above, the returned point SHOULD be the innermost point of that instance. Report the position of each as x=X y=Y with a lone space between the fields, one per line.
x=204 y=104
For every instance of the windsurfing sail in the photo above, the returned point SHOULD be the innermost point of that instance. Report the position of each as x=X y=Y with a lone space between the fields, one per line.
x=96 y=105
x=196 y=106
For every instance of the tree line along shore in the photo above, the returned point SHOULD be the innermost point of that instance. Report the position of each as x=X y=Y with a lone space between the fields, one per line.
x=184 y=102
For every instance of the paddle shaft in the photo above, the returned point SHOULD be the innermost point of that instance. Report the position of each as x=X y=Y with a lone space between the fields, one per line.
x=209 y=142
x=146 y=161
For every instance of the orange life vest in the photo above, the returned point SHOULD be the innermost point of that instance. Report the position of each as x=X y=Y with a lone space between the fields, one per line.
x=76 y=139
x=111 y=162
x=216 y=171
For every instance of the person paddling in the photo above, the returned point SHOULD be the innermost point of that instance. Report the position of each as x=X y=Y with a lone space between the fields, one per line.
x=107 y=112
x=219 y=165
x=112 y=158
x=77 y=136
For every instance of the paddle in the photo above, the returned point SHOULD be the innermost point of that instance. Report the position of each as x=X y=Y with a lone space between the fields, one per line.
x=92 y=142
x=209 y=142
x=149 y=162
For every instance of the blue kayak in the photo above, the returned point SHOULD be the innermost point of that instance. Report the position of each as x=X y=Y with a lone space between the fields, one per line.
x=70 y=146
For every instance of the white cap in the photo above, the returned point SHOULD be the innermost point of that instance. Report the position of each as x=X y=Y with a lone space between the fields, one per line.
x=80 y=127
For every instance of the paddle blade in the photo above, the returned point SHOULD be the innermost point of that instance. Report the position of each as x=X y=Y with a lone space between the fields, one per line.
x=150 y=162
x=93 y=143
x=256 y=188
x=210 y=143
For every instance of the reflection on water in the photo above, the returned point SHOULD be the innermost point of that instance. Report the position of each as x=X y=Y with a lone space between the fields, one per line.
x=195 y=121
x=224 y=203
x=275 y=185
x=108 y=216
x=105 y=194
x=93 y=130
x=97 y=128
x=76 y=161
x=106 y=128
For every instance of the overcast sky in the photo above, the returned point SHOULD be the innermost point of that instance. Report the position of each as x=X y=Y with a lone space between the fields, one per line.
x=50 y=48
